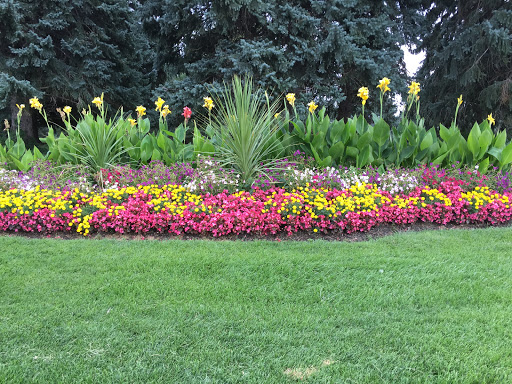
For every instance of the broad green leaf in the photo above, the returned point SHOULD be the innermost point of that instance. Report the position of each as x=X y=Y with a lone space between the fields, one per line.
x=484 y=164
x=381 y=132
x=336 y=131
x=473 y=141
x=26 y=160
x=18 y=164
x=364 y=140
x=444 y=132
x=336 y=151
x=326 y=162
x=495 y=152
x=506 y=156
x=363 y=157
x=484 y=141
x=156 y=155
x=161 y=141
x=318 y=142
x=3 y=154
x=146 y=147
x=439 y=160
x=427 y=141
x=501 y=139
x=180 y=133
x=352 y=152
x=406 y=153
x=37 y=154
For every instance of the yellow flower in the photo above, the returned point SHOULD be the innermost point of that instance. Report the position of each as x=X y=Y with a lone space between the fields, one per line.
x=291 y=99
x=20 y=107
x=277 y=115
x=383 y=85
x=159 y=103
x=208 y=103
x=363 y=94
x=133 y=122
x=491 y=119
x=312 y=106
x=34 y=103
x=67 y=109
x=165 y=111
x=98 y=101
x=141 y=111
x=459 y=100
x=414 y=88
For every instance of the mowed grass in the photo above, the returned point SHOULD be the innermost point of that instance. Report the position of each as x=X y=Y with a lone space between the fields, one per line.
x=428 y=307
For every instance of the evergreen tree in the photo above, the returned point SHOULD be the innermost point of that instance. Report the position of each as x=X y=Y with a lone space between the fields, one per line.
x=468 y=51
x=70 y=51
x=325 y=50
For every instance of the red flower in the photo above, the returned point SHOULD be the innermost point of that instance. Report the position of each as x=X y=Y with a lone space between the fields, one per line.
x=187 y=112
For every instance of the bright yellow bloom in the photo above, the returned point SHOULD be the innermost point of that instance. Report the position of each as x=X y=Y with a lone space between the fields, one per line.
x=165 y=111
x=133 y=122
x=141 y=111
x=383 y=85
x=98 y=101
x=67 y=109
x=159 y=103
x=291 y=99
x=277 y=115
x=363 y=94
x=312 y=106
x=34 y=103
x=459 y=100
x=20 y=107
x=414 y=88
x=208 y=103
x=491 y=119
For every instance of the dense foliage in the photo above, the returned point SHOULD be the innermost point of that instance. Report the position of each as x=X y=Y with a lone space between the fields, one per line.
x=66 y=52
x=318 y=49
x=468 y=46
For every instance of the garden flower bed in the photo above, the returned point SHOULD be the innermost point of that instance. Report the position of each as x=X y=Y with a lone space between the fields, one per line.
x=174 y=210
x=201 y=199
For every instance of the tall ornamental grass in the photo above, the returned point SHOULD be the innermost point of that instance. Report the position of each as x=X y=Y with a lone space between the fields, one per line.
x=244 y=130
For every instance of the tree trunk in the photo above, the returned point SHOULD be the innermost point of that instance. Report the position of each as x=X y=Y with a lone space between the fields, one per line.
x=27 y=128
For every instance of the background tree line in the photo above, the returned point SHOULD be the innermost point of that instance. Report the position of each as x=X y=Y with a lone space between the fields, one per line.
x=66 y=53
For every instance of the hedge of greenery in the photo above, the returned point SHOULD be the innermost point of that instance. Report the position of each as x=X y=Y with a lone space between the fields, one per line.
x=247 y=132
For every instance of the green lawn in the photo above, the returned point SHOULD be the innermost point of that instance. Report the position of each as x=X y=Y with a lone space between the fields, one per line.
x=428 y=307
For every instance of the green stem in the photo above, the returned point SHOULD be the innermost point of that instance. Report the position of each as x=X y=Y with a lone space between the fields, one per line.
x=381 y=99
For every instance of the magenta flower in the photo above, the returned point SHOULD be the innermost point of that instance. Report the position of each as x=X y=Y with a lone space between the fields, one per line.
x=187 y=112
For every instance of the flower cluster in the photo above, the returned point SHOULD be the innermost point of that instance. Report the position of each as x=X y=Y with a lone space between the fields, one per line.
x=174 y=209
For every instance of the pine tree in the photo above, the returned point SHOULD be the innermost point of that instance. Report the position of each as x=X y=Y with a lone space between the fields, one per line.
x=468 y=51
x=322 y=50
x=67 y=52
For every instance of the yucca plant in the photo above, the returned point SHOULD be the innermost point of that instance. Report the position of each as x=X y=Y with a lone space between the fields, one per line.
x=244 y=130
x=95 y=141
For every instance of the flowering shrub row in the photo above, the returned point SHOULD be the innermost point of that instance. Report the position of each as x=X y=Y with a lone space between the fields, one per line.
x=174 y=209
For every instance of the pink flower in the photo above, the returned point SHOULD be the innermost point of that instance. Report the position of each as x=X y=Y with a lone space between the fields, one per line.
x=187 y=112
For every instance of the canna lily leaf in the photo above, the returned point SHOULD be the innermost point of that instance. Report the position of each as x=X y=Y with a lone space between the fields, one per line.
x=484 y=141
x=501 y=139
x=336 y=151
x=473 y=141
x=427 y=141
x=506 y=156
x=484 y=165
x=381 y=132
